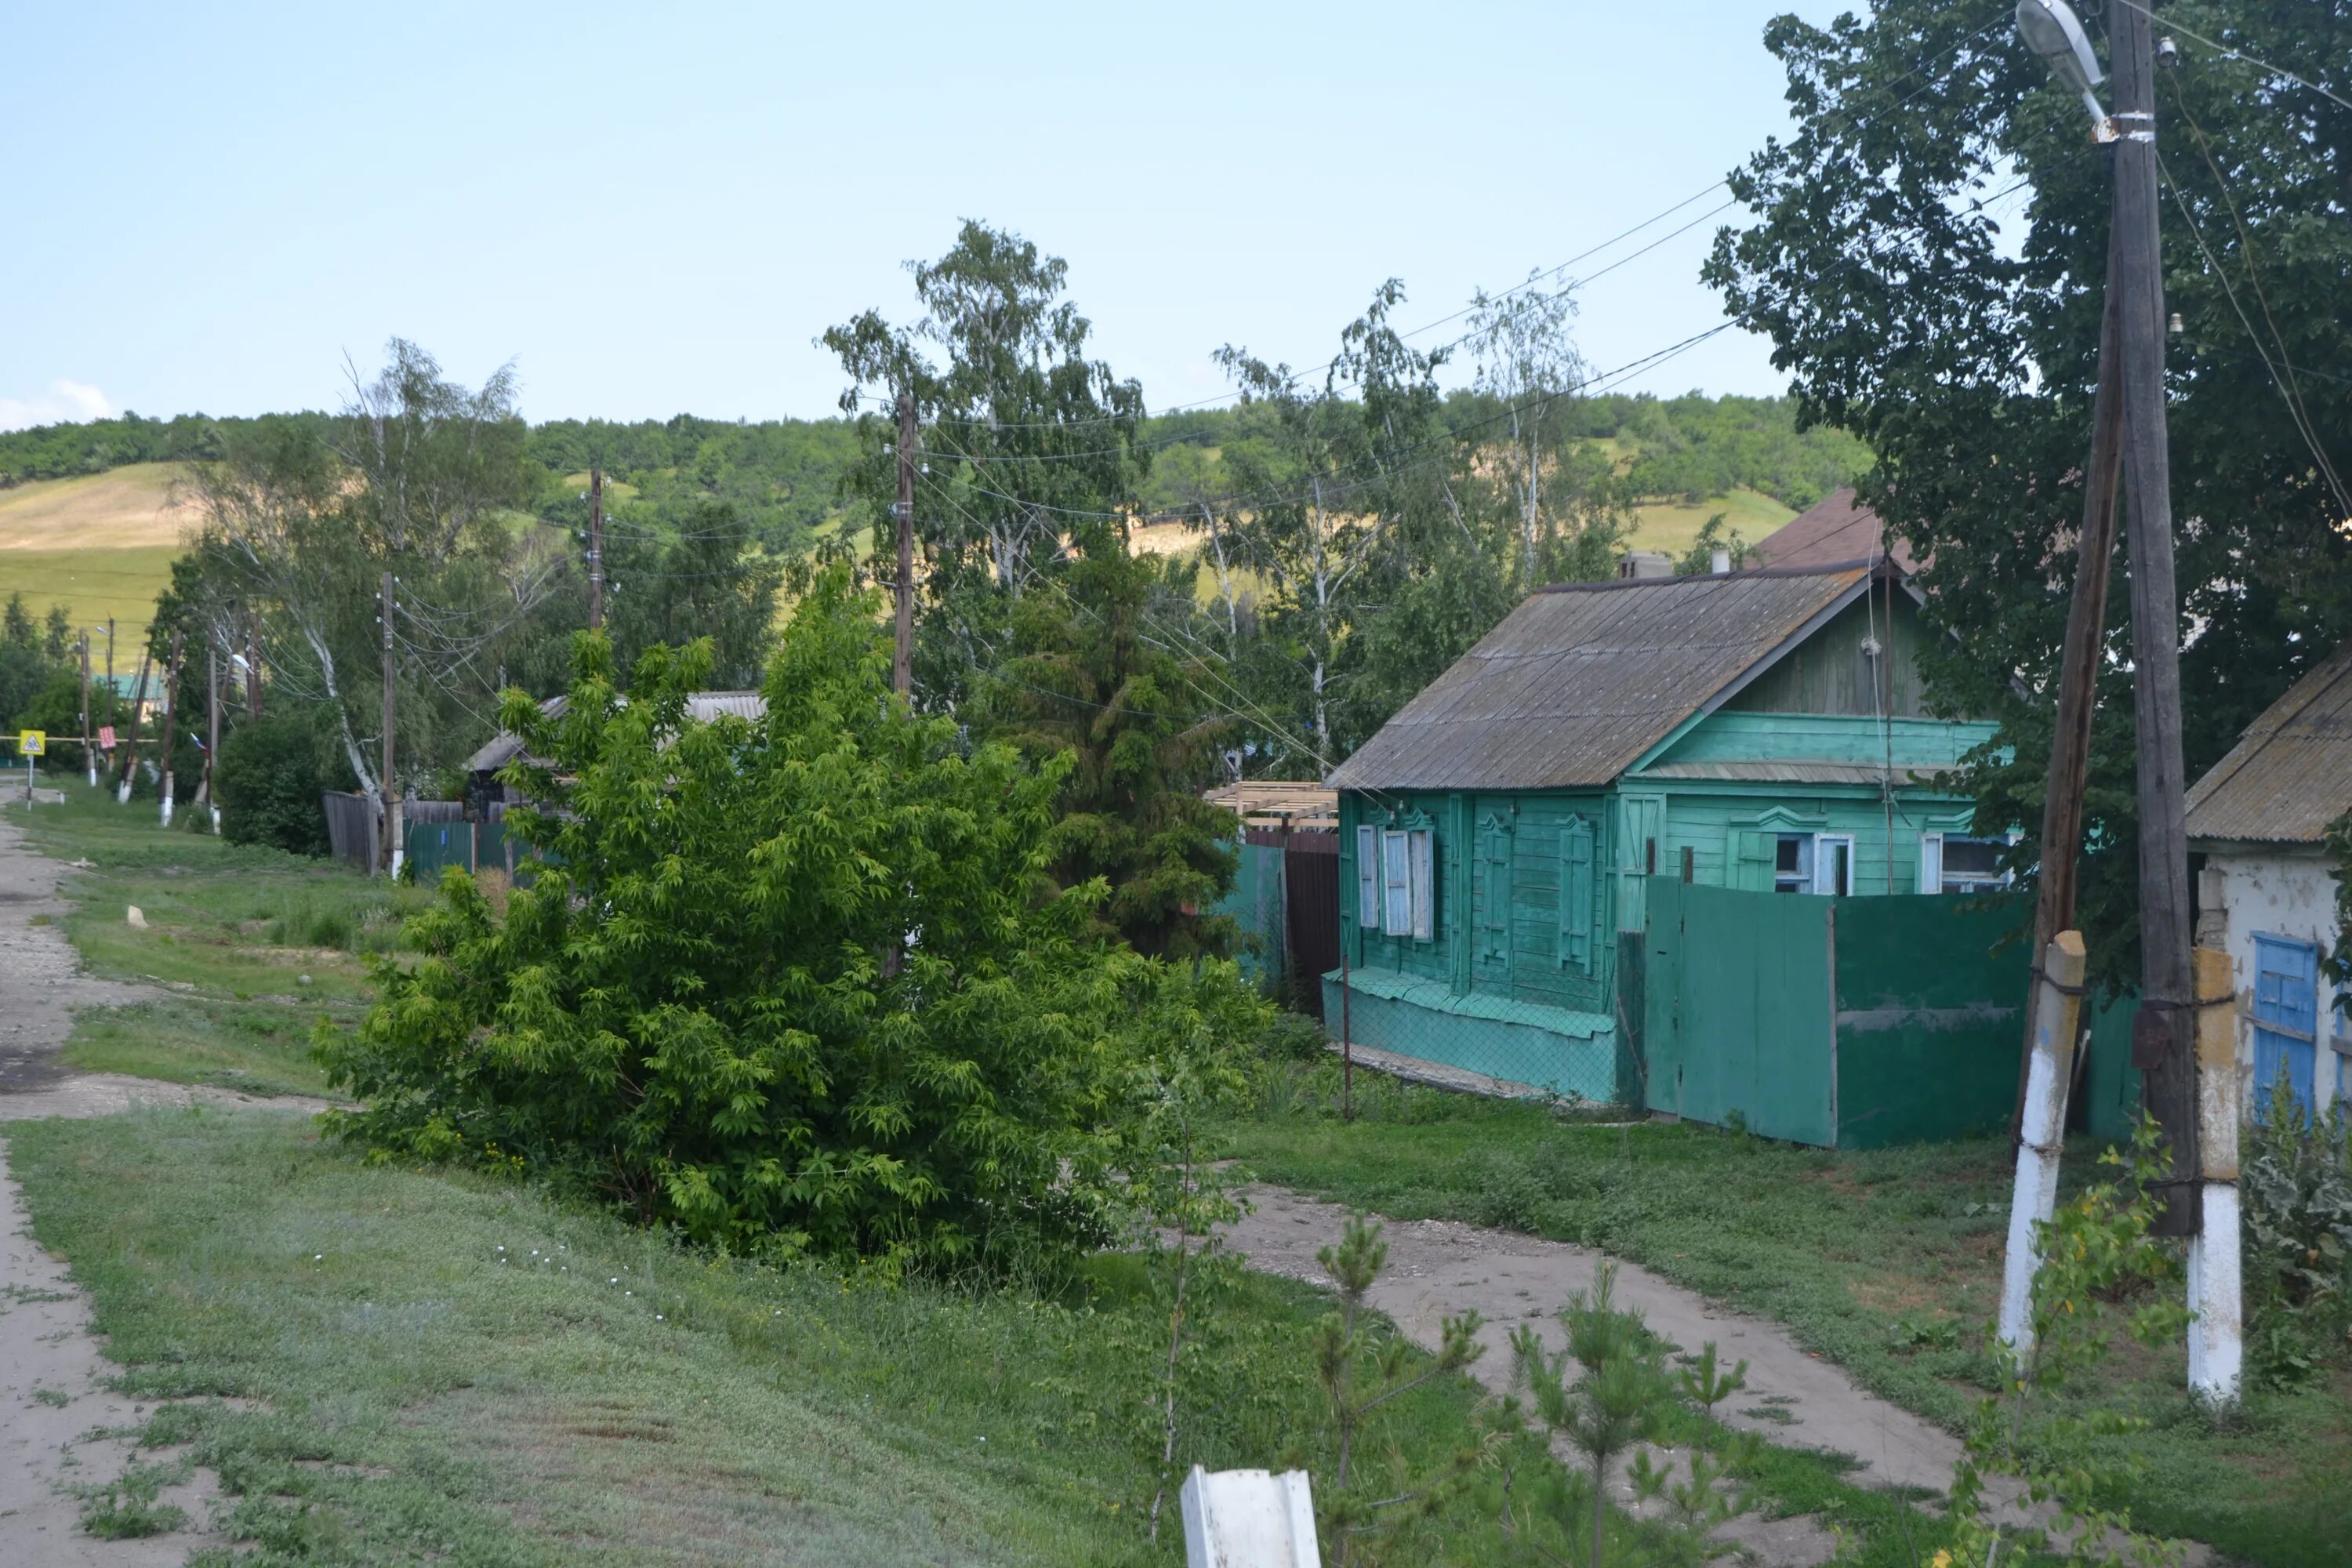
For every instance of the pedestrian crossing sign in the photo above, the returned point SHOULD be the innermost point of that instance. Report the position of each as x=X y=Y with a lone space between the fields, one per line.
x=32 y=742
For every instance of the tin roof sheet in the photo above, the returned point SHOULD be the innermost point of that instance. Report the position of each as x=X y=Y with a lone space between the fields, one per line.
x=2291 y=775
x=1580 y=681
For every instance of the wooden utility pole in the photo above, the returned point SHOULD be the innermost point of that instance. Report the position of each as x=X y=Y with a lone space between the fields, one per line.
x=595 y=548
x=212 y=720
x=2058 y=880
x=902 y=663
x=252 y=662
x=389 y=789
x=2163 y=1040
x=137 y=712
x=170 y=722
x=109 y=666
x=88 y=737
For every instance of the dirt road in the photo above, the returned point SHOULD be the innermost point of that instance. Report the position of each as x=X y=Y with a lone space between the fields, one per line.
x=52 y=1371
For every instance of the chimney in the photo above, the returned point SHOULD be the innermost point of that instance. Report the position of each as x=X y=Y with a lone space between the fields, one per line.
x=1644 y=563
x=1720 y=562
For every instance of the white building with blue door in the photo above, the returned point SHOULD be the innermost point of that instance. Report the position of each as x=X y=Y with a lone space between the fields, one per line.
x=2267 y=892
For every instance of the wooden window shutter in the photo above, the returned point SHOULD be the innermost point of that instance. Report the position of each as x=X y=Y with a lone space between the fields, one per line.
x=1368 y=878
x=1754 y=853
x=1576 y=894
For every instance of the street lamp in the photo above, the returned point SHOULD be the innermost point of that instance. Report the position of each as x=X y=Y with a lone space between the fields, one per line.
x=2052 y=30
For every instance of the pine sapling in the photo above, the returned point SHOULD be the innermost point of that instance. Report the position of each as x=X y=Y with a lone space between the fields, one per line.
x=1705 y=1387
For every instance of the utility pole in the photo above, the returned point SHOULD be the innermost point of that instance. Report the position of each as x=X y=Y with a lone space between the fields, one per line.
x=252 y=662
x=171 y=720
x=390 y=789
x=2058 y=880
x=212 y=720
x=88 y=740
x=596 y=547
x=902 y=663
x=137 y=712
x=2163 y=1040
x=109 y=669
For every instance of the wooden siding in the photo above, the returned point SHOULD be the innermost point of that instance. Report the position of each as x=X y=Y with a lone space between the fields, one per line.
x=1829 y=673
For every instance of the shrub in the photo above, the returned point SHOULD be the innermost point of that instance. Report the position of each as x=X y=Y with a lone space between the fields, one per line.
x=782 y=984
x=268 y=781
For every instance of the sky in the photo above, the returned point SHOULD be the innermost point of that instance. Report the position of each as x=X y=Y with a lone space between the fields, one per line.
x=651 y=210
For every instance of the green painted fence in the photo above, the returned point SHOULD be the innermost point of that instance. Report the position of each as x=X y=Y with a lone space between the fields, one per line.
x=1844 y=1023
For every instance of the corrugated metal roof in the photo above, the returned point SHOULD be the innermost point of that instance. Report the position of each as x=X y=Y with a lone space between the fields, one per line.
x=702 y=707
x=2290 y=775
x=1581 y=680
x=1834 y=528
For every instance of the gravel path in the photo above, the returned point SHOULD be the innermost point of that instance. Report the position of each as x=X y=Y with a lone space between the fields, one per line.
x=52 y=1368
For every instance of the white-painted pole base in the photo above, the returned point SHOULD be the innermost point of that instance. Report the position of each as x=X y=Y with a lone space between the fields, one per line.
x=1249 y=1518
x=2057 y=1008
x=167 y=811
x=217 y=822
x=122 y=790
x=2216 y=1291
x=2216 y=1339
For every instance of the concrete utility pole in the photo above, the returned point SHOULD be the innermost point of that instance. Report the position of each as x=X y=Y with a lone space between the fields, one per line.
x=171 y=721
x=595 y=548
x=2163 y=1045
x=390 y=788
x=109 y=666
x=88 y=737
x=902 y=663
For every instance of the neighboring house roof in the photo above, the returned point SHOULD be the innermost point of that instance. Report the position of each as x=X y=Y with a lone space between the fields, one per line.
x=1835 y=528
x=1583 y=680
x=2291 y=775
x=702 y=707
x=1273 y=803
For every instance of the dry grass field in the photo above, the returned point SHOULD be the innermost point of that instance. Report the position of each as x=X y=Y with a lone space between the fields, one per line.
x=101 y=544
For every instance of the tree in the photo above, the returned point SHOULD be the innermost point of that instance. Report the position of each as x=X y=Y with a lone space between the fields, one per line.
x=417 y=476
x=1104 y=672
x=1526 y=360
x=688 y=1012
x=268 y=781
x=1879 y=266
x=1023 y=438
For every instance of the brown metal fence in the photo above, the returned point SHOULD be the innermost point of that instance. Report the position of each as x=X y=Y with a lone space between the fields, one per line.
x=1310 y=874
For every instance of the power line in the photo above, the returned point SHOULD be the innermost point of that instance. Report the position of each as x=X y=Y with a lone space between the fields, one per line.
x=2173 y=23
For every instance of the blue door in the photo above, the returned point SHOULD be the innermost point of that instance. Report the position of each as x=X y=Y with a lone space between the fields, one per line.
x=2286 y=1018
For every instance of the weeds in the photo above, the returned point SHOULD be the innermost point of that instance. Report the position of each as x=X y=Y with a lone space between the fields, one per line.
x=126 y=1509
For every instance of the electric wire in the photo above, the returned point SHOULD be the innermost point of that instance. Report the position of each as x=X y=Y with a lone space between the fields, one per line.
x=2174 y=25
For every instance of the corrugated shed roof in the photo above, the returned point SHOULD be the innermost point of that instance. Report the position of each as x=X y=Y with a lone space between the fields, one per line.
x=1836 y=528
x=1581 y=680
x=2291 y=775
x=702 y=707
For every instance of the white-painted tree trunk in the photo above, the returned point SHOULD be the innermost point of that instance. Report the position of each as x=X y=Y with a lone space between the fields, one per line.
x=2057 y=1010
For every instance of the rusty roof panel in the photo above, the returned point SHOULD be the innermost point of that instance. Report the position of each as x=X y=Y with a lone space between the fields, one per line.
x=1581 y=680
x=2291 y=775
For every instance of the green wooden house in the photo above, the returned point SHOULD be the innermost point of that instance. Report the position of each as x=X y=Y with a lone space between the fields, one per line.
x=1758 y=729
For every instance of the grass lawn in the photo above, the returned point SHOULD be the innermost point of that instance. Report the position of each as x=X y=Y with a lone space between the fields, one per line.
x=387 y=1365
x=256 y=945
x=1887 y=1261
x=376 y=1381
x=1673 y=526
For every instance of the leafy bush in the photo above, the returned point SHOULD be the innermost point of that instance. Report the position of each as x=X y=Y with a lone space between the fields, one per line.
x=792 y=987
x=2295 y=1182
x=268 y=781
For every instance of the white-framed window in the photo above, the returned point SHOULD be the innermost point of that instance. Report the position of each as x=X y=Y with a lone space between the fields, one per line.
x=1813 y=863
x=1950 y=863
x=1396 y=882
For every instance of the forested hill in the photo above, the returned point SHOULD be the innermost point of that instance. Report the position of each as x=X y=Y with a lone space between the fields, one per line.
x=784 y=475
